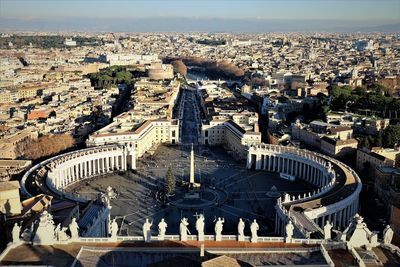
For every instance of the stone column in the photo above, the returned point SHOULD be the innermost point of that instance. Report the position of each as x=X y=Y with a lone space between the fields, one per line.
x=68 y=175
x=265 y=162
x=269 y=163
x=334 y=217
x=99 y=166
x=81 y=170
x=339 y=217
x=249 y=156
x=313 y=175
x=64 y=177
x=90 y=164
x=258 y=161
x=279 y=163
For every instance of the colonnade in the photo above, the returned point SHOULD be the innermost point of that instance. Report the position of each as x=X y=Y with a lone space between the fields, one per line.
x=78 y=165
x=315 y=169
x=306 y=169
x=340 y=218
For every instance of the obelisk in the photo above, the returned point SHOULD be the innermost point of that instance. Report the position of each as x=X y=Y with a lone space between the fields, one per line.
x=191 y=179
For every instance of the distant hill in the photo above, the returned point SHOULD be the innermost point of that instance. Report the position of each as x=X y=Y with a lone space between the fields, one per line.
x=193 y=25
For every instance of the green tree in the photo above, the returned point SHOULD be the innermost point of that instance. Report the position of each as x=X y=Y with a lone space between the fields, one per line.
x=391 y=136
x=379 y=139
x=365 y=142
x=169 y=181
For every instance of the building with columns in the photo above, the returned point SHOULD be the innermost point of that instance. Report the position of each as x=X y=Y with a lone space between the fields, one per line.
x=73 y=167
x=140 y=138
x=231 y=135
x=336 y=187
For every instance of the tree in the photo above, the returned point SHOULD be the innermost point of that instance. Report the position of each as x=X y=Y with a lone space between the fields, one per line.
x=391 y=136
x=169 y=181
x=44 y=146
x=379 y=139
x=179 y=67
x=365 y=143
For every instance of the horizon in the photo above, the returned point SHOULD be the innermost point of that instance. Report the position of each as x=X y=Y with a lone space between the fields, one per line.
x=201 y=16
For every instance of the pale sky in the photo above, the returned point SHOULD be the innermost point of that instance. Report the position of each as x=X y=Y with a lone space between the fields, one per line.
x=365 y=10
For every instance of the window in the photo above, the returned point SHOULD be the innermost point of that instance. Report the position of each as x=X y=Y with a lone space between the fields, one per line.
x=173 y=133
x=206 y=133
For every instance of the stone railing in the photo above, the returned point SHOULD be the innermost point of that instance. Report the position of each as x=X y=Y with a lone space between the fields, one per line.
x=326 y=256
x=261 y=239
x=291 y=199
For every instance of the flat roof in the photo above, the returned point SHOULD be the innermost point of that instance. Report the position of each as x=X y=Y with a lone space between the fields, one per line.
x=65 y=255
x=9 y=185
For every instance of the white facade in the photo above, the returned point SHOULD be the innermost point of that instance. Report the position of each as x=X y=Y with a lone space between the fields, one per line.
x=228 y=133
x=148 y=135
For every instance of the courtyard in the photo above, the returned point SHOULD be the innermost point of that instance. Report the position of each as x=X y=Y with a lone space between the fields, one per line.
x=243 y=191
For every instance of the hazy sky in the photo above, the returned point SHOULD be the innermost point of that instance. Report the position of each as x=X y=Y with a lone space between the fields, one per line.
x=366 y=10
x=200 y=15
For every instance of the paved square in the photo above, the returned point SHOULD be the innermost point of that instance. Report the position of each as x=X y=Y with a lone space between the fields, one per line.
x=245 y=191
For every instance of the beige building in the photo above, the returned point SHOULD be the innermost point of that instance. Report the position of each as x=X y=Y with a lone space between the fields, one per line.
x=158 y=71
x=336 y=147
x=340 y=132
x=231 y=135
x=12 y=167
x=144 y=138
x=387 y=184
x=10 y=202
x=8 y=145
x=376 y=157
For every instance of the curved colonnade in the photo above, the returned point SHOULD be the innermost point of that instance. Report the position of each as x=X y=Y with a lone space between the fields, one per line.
x=66 y=169
x=337 y=187
x=335 y=198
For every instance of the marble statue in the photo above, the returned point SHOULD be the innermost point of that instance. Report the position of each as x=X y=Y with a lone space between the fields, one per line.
x=15 y=233
x=183 y=229
x=289 y=232
x=74 y=229
x=241 y=226
x=63 y=234
x=374 y=239
x=114 y=229
x=254 y=227
x=57 y=231
x=147 y=230
x=358 y=235
x=219 y=225
x=45 y=230
x=387 y=235
x=327 y=230
x=60 y=233
x=200 y=227
x=162 y=228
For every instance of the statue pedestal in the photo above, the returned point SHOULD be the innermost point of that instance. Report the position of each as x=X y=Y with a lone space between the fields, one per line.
x=240 y=238
x=218 y=238
x=192 y=195
x=254 y=240
x=200 y=237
